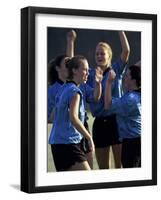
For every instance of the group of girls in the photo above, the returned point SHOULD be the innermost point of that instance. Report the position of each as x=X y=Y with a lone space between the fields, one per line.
x=117 y=115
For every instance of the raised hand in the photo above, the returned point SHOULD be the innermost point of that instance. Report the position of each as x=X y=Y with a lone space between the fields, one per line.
x=71 y=35
x=111 y=75
x=98 y=75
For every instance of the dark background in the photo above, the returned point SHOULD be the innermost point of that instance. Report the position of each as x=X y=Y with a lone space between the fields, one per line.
x=87 y=40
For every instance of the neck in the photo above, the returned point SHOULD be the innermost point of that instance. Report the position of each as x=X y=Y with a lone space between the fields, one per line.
x=61 y=78
x=105 y=67
x=76 y=81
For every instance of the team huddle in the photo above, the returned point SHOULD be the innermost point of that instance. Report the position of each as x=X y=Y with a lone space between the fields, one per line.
x=111 y=92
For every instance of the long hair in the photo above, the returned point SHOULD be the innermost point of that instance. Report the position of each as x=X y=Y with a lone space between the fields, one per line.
x=52 y=72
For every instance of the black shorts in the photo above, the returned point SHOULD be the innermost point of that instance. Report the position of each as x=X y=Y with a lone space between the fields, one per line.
x=66 y=155
x=131 y=152
x=105 y=132
x=84 y=141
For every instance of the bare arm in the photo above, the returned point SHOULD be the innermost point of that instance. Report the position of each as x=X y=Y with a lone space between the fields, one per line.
x=71 y=36
x=98 y=85
x=108 y=89
x=74 y=108
x=125 y=47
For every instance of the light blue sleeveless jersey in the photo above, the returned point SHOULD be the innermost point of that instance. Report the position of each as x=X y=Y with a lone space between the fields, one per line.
x=63 y=131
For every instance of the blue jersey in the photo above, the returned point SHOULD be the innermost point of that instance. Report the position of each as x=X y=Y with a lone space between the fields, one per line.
x=63 y=131
x=52 y=91
x=88 y=93
x=128 y=113
x=117 y=91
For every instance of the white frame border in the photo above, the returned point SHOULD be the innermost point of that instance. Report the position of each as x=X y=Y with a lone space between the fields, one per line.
x=42 y=178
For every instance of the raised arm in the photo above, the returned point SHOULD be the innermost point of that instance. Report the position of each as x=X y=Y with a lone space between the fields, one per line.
x=108 y=90
x=125 y=47
x=71 y=36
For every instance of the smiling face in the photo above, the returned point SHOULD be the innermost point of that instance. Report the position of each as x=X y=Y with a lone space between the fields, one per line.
x=103 y=55
x=81 y=74
x=132 y=79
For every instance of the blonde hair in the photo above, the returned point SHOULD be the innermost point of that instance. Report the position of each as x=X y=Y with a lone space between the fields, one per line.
x=107 y=47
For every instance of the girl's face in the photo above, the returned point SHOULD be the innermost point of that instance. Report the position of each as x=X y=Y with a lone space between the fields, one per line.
x=102 y=57
x=81 y=74
x=62 y=70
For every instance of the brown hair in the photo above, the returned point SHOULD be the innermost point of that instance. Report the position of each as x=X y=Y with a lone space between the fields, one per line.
x=74 y=63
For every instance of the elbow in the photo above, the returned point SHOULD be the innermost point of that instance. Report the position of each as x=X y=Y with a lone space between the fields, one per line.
x=125 y=55
x=126 y=51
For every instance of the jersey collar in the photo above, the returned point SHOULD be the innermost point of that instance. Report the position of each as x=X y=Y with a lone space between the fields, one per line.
x=60 y=81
